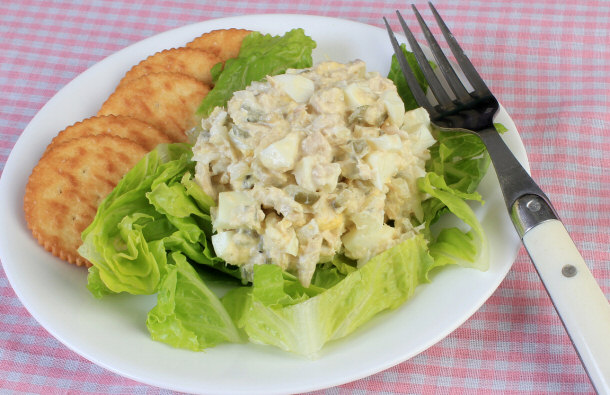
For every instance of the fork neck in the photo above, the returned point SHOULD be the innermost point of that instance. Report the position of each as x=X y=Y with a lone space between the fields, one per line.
x=525 y=201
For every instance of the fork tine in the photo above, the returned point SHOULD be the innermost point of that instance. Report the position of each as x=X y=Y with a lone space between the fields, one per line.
x=469 y=71
x=454 y=81
x=416 y=90
x=433 y=81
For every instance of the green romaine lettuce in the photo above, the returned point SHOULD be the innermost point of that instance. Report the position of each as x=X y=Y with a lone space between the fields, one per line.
x=395 y=74
x=452 y=245
x=188 y=314
x=274 y=311
x=123 y=258
x=260 y=55
x=500 y=128
x=155 y=208
x=460 y=158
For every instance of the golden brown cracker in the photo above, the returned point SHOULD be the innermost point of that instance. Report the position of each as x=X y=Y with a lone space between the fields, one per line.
x=225 y=43
x=67 y=185
x=190 y=61
x=167 y=101
x=116 y=125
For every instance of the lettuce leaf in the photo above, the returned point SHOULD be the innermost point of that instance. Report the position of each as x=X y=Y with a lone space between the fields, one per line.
x=330 y=273
x=260 y=55
x=395 y=74
x=460 y=158
x=278 y=313
x=452 y=245
x=188 y=314
x=500 y=127
x=155 y=209
x=115 y=243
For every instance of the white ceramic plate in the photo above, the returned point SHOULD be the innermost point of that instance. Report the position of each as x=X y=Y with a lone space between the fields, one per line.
x=111 y=332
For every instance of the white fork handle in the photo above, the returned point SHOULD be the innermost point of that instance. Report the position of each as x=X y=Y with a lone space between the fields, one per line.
x=578 y=299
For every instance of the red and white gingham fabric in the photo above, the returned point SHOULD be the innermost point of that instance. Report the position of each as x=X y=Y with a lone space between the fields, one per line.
x=547 y=61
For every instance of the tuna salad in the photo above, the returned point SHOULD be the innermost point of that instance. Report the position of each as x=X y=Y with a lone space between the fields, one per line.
x=312 y=163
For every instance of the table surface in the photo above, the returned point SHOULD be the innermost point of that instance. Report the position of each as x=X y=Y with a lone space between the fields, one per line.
x=549 y=64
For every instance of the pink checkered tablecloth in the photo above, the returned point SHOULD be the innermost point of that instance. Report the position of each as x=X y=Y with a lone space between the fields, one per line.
x=547 y=61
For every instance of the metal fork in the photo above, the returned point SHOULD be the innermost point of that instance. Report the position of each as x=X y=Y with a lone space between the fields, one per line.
x=578 y=299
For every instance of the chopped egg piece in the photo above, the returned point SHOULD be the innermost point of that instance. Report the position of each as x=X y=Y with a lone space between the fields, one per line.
x=282 y=154
x=297 y=87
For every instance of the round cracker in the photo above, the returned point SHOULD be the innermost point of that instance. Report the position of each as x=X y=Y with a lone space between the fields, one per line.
x=167 y=101
x=190 y=61
x=116 y=125
x=224 y=43
x=67 y=185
